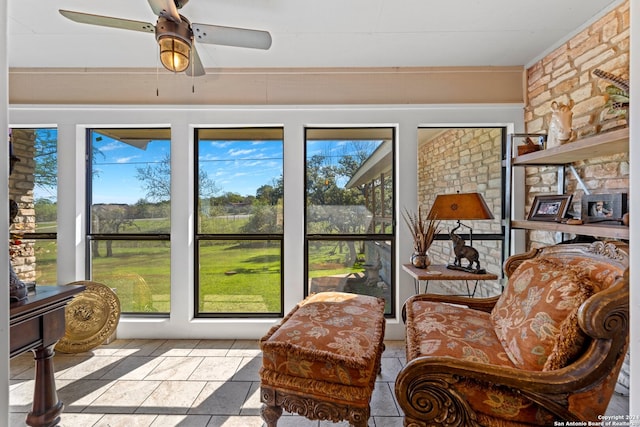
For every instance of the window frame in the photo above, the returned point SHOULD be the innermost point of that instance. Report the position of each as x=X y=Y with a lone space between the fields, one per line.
x=200 y=237
x=365 y=237
x=100 y=237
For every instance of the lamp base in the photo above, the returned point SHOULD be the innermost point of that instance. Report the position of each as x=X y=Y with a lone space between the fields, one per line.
x=467 y=269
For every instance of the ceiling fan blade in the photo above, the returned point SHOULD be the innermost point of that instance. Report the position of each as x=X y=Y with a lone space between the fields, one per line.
x=231 y=36
x=166 y=8
x=107 y=21
x=195 y=65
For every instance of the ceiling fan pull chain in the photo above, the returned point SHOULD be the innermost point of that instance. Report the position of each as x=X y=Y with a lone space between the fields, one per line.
x=193 y=74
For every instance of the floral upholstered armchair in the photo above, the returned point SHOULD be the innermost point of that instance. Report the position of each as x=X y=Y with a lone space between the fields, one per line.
x=550 y=348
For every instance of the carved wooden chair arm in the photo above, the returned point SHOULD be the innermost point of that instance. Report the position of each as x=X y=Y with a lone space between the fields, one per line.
x=606 y=315
x=425 y=387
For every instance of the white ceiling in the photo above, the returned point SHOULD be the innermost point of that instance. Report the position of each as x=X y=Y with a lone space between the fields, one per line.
x=309 y=33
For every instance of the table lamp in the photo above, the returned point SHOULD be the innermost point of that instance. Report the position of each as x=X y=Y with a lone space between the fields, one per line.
x=462 y=206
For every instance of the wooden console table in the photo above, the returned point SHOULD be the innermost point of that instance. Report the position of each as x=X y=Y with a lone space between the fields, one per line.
x=441 y=272
x=37 y=325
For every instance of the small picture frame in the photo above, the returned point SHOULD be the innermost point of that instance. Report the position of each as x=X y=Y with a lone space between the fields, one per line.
x=549 y=208
x=603 y=207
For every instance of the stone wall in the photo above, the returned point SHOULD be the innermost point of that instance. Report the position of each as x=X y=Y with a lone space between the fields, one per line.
x=567 y=74
x=21 y=183
x=465 y=160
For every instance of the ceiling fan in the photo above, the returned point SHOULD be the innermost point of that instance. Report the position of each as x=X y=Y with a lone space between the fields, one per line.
x=176 y=35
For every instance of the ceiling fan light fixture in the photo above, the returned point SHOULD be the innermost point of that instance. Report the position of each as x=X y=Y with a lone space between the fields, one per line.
x=175 y=41
x=174 y=54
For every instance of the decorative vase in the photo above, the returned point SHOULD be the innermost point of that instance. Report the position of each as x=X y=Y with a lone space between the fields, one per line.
x=420 y=260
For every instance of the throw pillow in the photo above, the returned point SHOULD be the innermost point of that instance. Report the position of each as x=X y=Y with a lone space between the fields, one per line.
x=540 y=295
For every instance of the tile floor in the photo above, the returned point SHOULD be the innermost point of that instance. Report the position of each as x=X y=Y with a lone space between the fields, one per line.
x=207 y=383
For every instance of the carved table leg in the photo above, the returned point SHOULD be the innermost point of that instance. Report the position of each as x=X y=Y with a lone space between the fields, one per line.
x=46 y=408
x=271 y=414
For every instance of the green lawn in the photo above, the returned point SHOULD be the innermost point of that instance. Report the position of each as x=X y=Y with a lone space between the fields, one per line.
x=240 y=276
x=139 y=271
x=46 y=252
x=234 y=276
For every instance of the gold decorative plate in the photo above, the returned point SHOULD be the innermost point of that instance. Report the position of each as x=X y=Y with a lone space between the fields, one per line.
x=91 y=317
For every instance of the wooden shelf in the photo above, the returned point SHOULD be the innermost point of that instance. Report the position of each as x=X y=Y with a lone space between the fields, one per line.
x=602 y=144
x=596 y=230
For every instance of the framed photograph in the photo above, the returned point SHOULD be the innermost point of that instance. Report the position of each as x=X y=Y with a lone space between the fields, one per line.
x=603 y=207
x=549 y=208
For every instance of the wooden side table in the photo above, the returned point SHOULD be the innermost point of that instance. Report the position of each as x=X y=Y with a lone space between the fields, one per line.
x=441 y=272
x=37 y=324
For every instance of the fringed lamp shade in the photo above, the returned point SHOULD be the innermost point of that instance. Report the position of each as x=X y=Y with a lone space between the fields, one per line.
x=460 y=206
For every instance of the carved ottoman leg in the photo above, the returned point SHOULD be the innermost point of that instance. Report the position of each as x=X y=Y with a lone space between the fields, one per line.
x=271 y=414
x=384 y=347
x=359 y=417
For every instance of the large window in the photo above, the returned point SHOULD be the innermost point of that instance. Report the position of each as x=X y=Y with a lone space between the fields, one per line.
x=350 y=211
x=33 y=187
x=239 y=222
x=466 y=160
x=129 y=177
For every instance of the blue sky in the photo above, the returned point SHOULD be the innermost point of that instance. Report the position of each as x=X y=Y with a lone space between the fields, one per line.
x=241 y=166
x=235 y=166
x=114 y=179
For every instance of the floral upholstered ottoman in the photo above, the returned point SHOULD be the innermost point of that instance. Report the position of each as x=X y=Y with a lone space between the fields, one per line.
x=321 y=361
